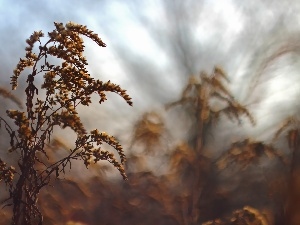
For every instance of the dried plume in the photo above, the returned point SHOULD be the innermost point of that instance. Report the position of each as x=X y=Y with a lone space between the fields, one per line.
x=66 y=86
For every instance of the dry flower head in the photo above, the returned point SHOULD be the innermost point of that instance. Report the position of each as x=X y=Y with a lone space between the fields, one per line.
x=66 y=86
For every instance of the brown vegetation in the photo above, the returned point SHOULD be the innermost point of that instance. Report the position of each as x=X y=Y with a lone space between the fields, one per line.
x=54 y=103
x=197 y=188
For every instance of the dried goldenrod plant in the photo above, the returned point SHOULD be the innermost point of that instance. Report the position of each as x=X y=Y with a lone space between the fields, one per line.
x=200 y=94
x=246 y=216
x=66 y=86
x=206 y=98
x=149 y=131
x=246 y=153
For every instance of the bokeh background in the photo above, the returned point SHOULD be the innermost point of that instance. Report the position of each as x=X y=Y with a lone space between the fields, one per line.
x=153 y=50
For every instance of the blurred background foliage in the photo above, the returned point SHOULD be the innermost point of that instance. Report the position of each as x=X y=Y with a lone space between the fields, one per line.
x=213 y=137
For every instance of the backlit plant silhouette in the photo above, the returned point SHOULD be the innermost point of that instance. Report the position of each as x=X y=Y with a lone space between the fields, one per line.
x=53 y=103
x=207 y=97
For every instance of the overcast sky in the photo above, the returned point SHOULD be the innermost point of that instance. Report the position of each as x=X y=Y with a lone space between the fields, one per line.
x=143 y=57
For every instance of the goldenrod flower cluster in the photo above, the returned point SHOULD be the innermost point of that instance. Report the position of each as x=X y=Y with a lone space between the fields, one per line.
x=6 y=173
